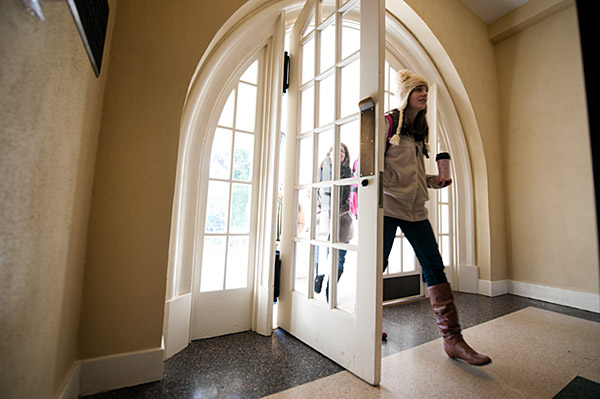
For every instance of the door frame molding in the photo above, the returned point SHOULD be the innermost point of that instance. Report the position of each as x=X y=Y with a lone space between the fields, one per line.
x=245 y=32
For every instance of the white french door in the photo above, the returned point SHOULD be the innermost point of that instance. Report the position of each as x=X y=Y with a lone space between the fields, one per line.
x=224 y=281
x=331 y=285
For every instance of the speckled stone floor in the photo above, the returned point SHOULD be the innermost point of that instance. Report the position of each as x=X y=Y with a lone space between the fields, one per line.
x=248 y=365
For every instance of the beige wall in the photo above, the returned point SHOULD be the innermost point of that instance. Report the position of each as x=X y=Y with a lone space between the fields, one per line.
x=50 y=111
x=464 y=39
x=155 y=49
x=550 y=197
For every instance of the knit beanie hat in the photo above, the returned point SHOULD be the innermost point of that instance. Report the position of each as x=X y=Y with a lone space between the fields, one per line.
x=406 y=81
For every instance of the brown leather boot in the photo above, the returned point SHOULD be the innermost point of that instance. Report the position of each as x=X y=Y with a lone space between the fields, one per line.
x=446 y=317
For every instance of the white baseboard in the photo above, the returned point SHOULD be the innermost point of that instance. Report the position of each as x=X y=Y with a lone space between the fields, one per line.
x=120 y=371
x=176 y=331
x=574 y=299
x=70 y=387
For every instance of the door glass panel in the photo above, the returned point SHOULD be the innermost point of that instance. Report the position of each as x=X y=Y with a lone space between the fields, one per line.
x=346 y=220
x=237 y=263
x=305 y=158
x=307 y=101
x=408 y=257
x=216 y=207
x=327 y=100
x=246 y=107
x=323 y=215
x=327 y=47
x=325 y=145
x=350 y=38
x=220 y=156
x=240 y=209
x=350 y=137
x=327 y=8
x=445 y=249
x=444 y=219
x=243 y=155
x=211 y=278
x=303 y=217
x=346 y=288
x=394 y=260
x=350 y=91
x=310 y=26
x=322 y=266
x=308 y=59
x=301 y=262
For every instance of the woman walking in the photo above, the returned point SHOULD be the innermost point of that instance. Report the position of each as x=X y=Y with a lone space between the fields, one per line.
x=405 y=186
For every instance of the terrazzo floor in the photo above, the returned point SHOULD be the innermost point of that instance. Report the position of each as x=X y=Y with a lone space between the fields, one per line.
x=247 y=365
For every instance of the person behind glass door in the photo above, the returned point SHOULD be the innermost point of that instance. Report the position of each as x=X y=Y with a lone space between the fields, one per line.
x=405 y=188
x=345 y=230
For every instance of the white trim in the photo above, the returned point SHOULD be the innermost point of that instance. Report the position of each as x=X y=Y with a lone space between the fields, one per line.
x=178 y=312
x=559 y=296
x=70 y=387
x=122 y=370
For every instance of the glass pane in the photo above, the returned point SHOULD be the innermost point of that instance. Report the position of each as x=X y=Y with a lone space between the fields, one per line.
x=246 y=107
x=217 y=206
x=393 y=101
x=408 y=257
x=350 y=137
x=213 y=264
x=311 y=25
x=301 y=262
x=220 y=154
x=324 y=148
x=226 y=118
x=323 y=215
x=346 y=218
x=237 y=263
x=240 y=208
x=327 y=8
x=327 y=47
x=394 y=262
x=444 y=195
x=346 y=287
x=386 y=81
x=444 y=219
x=307 y=109
x=322 y=266
x=327 y=100
x=305 y=160
x=303 y=217
x=445 y=249
x=251 y=74
x=350 y=38
x=308 y=60
x=350 y=89
x=243 y=155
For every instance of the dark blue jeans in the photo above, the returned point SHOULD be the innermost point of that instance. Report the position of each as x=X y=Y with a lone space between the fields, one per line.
x=421 y=237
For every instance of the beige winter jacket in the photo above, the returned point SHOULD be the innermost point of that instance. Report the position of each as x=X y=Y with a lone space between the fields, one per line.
x=405 y=183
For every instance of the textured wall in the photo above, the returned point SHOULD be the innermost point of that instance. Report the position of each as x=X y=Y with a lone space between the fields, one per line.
x=50 y=112
x=155 y=49
x=552 y=223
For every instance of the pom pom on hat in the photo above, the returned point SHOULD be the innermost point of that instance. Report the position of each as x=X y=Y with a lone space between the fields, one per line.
x=406 y=82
